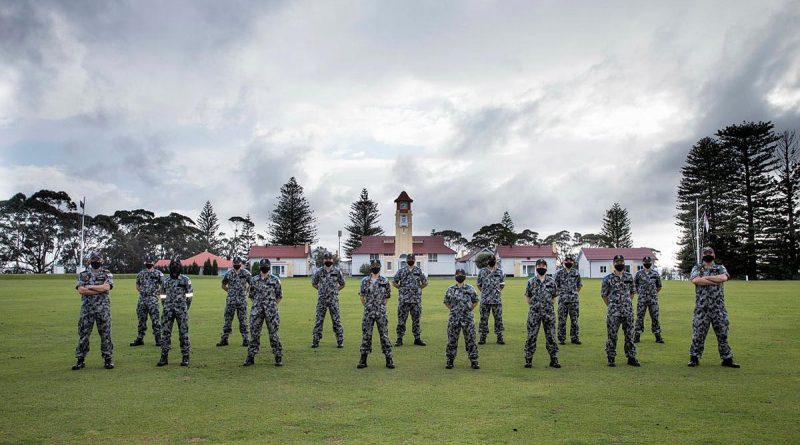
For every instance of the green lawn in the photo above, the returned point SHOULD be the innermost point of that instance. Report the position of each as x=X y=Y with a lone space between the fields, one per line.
x=320 y=397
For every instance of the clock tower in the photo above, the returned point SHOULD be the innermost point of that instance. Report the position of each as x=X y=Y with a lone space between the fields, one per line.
x=403 y=223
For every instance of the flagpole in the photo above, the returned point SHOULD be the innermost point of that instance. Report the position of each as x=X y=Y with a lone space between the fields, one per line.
x=83 y=217
x=697 y=227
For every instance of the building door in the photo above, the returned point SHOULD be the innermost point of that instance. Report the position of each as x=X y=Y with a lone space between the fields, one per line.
x=279 y=270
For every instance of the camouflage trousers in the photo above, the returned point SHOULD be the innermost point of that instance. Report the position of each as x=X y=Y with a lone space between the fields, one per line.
x=382 y=322
x=403 y=310
x=547 y=320
x=643 y=304
x=568 y=308
x=261 y=314
x=148 y=305
x=235 y=305
x=497 y=311
x=95 y=312
x=613 y=323
x=331 y=306
x=454 y=329
x=716 y=316
x=181 y=316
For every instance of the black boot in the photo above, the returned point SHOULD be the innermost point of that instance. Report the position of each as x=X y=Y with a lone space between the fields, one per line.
x=245 y=342
x=250 y=360
x=633 y=362
x=399 y=341
x=500 y=340
x=554 y=362
x=278 y=360
x=611 y=362
x=449 y=364
x=137 y=342
x=163 y=361
x=80 y=364
x=694 y=361
x=109 y=364
x=659 y=339
x=315 y=344
x=339 y=344
x=636 y=338
x=363 y=362
x=576 y=342
x=529 y=362
x=389 y=362
x=419 y=342
x=482 y=340
x=158 y=341
x=223 y=341
x=474 y=364
x=729 y=363
x=185 y=361
x=562 y=342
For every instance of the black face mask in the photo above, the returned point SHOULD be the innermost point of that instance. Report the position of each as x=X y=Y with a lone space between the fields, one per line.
x=619 y=267
x=237 y=266
x=410 y=263
x=708 y=258
x=328 y=263
x=491 y=263
x=647 y=265
x=568 y=265
x=460 y=278
x=541 y=270
x=264 y=269
x=96 y=264
x=148 y=265
x=375 y=270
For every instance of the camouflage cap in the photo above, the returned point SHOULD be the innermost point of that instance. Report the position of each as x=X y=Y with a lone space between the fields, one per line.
x=461 y=272
x=149 y=259
x=647 y=259
x=618 y=258
x=237 y=260
x=541 y=261
x=175 y=261
x=708 y=249
x=95 y=255
x=411 y=257
x=264 y=262
x=569 y=257
x=375 y=263
x=327 y=256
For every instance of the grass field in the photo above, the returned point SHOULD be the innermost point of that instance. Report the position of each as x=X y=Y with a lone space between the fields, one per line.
x=320 y=397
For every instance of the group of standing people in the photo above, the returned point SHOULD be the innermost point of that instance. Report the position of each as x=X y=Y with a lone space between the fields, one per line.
x=174 y=292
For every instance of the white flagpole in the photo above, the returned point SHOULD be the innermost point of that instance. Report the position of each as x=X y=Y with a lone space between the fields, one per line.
x=83 y=216
x=697 y=226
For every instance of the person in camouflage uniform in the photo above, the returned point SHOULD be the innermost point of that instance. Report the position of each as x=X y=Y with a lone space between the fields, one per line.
x=93 y=285
x=178 y=295
x=266 y=293
x=568 y=281
x=461 y=299
x=235 y=283
x=648 y=284
x=709 y=308
x=328 y=280
x=617 y=291
x=375 y=291
x=410 y=281
x=149 y=284
x=540 y=293
x=491 y=281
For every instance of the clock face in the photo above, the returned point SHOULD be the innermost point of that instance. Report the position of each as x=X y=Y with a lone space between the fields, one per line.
x=403 y=205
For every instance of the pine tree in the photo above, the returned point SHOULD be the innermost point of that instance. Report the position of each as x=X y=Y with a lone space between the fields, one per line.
x=292 y=221
x=208 y=224
x=617 y=227
x=364 y=217
x=783 y=249
x=507 y=222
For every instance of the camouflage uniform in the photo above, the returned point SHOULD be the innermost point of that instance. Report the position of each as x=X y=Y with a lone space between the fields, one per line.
x=375 y=294
x=265 y=292
x=176 y=309
x=149 y=283
x=568 y=282
x=328 y=300
x=460 y=300
x=709 y=308
x=95 y=309
x=236 y=302
x=647 y=286
x=409 y=299
x=619 y=290
x=490 y=283
x=541 y=312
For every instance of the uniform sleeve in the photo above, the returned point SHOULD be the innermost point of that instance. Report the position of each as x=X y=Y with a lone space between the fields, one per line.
x=80 y=280
x=447 y=297
x=362 y=289
x=225 y=279
x=658 y=281
x=423 y=278
x=189 y=289
x=388 y=289
x=315 y=278
x=396 y=278
x=528 y=290
x=473 y=295
x=480 y=279
x=555 y=290
x=109 y=279
x=502 y=276
x=278 y=289
x=695 y=273
x=578 y=282
x=139 y=279
x=723 y=270
x=557 y=277
x=341 y=278
x=605 y=288
x=632 y=288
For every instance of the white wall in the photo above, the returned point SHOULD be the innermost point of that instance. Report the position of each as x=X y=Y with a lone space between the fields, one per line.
x=299 y=266
x=591 y=269
x=515 y=266
x=445 y=266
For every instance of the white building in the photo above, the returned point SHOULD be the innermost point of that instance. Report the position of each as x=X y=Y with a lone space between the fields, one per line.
x=597 y=262
x=520 y=261
x=467 y=262
x=286 y=261
x=432 y=255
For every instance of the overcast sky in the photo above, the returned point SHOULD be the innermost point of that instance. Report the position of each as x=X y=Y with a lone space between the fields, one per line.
x=551 y=110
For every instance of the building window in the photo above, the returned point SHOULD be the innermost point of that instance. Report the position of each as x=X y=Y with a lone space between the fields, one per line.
x=433 y=257
x=603 y=269
x=627 y=268
x=403 y=220
x=639 y=268
x=388 y=266
x=374 y=256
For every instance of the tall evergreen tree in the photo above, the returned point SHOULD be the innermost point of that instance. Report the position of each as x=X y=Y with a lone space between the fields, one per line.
x=617 y=227
x=507 y=222
x=364 y=218
x=208 y=224
x=292 y=221
x=783 y=253
x=751 y=145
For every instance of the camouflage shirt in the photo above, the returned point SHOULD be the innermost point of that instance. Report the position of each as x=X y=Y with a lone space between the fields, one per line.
x=91 y=278
x=460 y=300
x=618 y=290
x=375 y=293
x=410 y=282
x=541 y=293
x=568 y=282
x=708 y=295
x=237 y=282
x=150 y=282
x=491 y=282
x=177 y=289
x=647 y=283
x=328 y=283
x=265 y=289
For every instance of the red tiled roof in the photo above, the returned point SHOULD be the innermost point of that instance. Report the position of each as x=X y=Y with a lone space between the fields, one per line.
x=385 y=245
x=608 y=253
x=533 y=252
x=468 y=255
x=200 y=259
x=404 y=197
x=296 y=251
